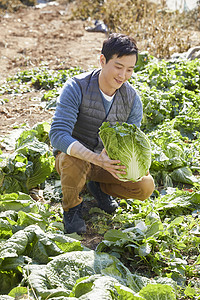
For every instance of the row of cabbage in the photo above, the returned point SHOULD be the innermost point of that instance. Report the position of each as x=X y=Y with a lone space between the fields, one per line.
x=160 y=235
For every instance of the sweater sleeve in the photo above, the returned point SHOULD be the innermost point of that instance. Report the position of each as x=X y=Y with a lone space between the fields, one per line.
x=65 y=116
x=136 y=113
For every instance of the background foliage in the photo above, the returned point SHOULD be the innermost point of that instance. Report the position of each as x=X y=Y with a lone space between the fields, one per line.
x=156 y=28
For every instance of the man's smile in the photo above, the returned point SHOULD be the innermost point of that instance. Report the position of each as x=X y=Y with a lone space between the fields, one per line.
x=118 y=81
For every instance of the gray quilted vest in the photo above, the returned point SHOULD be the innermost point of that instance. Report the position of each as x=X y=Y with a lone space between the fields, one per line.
x=92 y=112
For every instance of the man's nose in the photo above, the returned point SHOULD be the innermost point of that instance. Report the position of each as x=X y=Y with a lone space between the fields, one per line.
x=122 y=74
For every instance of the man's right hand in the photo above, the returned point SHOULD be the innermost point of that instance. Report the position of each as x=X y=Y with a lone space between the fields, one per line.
x=112 y=166
x=102 y=160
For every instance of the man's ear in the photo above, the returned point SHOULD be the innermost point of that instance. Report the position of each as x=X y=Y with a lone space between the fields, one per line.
x=102 y=60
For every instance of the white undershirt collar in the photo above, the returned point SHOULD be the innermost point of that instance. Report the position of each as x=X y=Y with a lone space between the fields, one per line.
x=108 y=98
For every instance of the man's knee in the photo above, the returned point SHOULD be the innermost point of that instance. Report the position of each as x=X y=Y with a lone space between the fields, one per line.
x=147 y=187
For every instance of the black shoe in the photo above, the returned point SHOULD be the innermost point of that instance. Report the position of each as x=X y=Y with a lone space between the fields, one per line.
x=105 y=202
x=73 y=221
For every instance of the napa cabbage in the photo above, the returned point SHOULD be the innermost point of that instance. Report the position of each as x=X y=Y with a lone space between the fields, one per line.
x=30 y=164
x=130 y=145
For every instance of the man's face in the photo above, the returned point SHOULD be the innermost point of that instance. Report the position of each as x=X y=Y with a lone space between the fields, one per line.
x=115 y=72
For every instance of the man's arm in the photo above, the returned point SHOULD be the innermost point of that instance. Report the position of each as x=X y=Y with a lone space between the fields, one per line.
x=136 y=113
x=62 y=127
x=102 y=160
x=65 y=116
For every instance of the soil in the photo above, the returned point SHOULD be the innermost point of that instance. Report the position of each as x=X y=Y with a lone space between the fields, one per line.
x=45 y=34
x=36 y=35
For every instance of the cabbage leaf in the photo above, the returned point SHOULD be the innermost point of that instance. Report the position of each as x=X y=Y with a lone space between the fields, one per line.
x=127 y=143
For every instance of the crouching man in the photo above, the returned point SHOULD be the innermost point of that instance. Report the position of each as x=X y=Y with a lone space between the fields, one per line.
x=86 y=101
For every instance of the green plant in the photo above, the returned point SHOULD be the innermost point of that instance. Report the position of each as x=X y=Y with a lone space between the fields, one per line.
x=127 y=143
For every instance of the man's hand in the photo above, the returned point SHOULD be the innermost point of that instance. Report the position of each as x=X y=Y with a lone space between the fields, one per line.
x=112 y=166
x=102 y=160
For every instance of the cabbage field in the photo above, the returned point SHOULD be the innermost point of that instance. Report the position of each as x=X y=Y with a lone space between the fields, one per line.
x=147 y=250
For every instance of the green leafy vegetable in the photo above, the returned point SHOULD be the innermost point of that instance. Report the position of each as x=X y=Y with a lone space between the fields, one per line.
x=152 y=246
x=158 y=292
x=130 y=145
x=30 y=164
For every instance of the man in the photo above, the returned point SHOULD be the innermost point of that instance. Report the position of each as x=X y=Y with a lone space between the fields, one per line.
x=86 y=101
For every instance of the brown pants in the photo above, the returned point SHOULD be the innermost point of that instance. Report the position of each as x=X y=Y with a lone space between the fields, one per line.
x=75 y=172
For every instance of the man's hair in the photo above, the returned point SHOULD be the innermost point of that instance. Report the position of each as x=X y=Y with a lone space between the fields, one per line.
x=120 y=45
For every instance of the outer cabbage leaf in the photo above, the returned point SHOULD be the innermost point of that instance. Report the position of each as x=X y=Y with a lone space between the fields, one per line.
x=80 y=274
x=8 y=279
x=188 y=122
x=36 y=244
x=42 y=132
x=66 y=268
x=130 y=145
x=39 y=131
x=27 y=167
x=37 y=278
x=184 y=175
x=102 y=287
x=22 y=202
x=19 y=292
x=41 y=161
x=158 y=292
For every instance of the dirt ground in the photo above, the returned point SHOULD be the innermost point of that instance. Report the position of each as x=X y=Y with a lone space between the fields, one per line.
x=36 y=35
x=44 y=34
